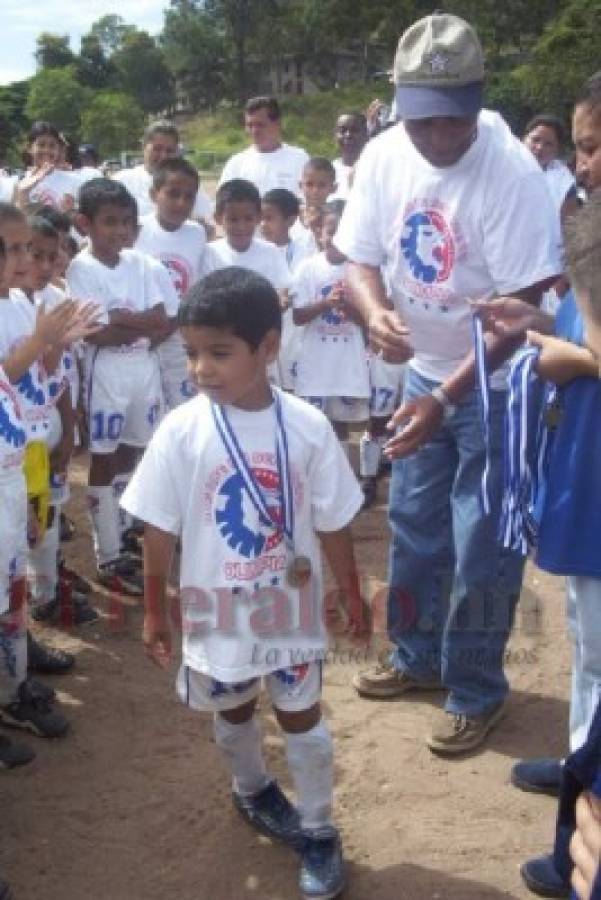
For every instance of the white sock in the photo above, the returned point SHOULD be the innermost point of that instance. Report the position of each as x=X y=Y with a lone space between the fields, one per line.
x=42 y=568
x=370 y=450
x=120 y=482
x=104 y=513
x=242 y=747
x=310 y=760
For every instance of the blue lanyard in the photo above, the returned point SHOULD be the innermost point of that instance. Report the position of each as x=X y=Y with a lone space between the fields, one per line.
x=483 y=383
x=252 y=487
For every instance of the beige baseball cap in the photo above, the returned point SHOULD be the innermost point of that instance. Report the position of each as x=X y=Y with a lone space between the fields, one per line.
x=439 y=69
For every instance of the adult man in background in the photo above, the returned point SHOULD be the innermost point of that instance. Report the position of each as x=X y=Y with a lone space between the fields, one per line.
x=443 y=202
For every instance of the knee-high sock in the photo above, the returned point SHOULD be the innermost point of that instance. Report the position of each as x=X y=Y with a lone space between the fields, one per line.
x=13 y=643
x=242 y=747
x=104 y=514
x=310 y=760
x=42 y=563
x=120 y=482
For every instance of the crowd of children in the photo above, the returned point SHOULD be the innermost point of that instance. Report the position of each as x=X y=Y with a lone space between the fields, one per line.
x=109 y=321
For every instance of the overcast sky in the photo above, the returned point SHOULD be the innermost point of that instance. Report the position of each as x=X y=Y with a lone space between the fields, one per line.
x=22 y=20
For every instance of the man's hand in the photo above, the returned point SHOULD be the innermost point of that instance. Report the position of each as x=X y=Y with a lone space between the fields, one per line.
x=585 y=846
x=387 y=334
x=511 y=317
x=560 y=361
x=418 y=420
x=156 y=637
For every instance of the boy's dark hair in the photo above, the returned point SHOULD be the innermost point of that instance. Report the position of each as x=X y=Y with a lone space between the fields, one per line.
x=270 y=104
x=320 y=164
x=583 y=251
x=284 y=201
x=334 y=208
x=161 y=126
x=236 y=300
x=590 y=95
x=99 y=192
x=548 y=121
x=175 y=165
x=238 y=190
x=356 y=115
x=10 y=213
x=57 y=219
x=43 y=227
x=41 y=128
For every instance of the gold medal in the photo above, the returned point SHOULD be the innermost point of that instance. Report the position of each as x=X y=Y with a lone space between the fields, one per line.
x=299 y=571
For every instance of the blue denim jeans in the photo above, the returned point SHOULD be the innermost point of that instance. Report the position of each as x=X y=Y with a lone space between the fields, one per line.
x=453 y=588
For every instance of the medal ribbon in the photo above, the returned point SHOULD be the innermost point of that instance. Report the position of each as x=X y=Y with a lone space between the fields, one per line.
x=251 y=486
x=482 y=381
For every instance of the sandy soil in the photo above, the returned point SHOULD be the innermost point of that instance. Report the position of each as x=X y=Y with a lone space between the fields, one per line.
x=134 y=803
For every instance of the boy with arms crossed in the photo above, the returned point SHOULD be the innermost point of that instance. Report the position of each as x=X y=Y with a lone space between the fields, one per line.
x=248 y=478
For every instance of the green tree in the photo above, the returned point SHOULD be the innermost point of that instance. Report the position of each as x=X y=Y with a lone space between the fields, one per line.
x=113 y=122
x=141 y=70
x=53 y=51
x=195 y=52
x=93 y=68
x=111 y=30
x=57 y=95
x=13 y=121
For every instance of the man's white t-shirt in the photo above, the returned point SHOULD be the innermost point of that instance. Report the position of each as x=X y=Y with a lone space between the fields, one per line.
x=180 y=251
x=332 y=360
x=241 y=619
x=480 y=227
x=261 y=257
x=281 y=168
x=130 y=285
x=559 y=181
x=138 y=182
x=343 y=176
x=58 y=189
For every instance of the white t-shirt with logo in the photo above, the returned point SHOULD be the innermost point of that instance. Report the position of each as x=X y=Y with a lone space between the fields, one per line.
x=233 y=562
x=57 y=189
x=281 y=168
x=37 y=391
x=13 y=430
x=261 y=257
x=131 y=285
x=138 y=182
x=332 y=360
x=480 y=227
x=180 y=251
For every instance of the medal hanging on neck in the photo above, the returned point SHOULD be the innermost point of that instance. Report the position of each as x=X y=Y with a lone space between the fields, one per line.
x=299 y=568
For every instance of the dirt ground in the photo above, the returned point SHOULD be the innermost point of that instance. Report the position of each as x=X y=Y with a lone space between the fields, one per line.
x=134 y=803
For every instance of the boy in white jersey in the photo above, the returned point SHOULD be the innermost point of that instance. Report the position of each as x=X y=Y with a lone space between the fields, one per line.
x=332 y=367
x=317 y=183
x=169 y=235
x=122 y=373
x=270 y=478
x=279 y=212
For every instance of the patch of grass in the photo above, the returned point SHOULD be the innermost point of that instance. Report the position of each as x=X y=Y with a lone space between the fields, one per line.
x=308 y=122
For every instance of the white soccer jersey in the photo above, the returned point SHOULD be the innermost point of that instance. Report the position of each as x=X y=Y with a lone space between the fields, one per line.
x=58 y=189
x=261 y=257
x=241 y=619
x=332 y=362
x=180 y=251
x=138 y=182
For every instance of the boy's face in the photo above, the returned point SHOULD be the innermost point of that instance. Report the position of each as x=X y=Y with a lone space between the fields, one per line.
x=274 y=224
x=45 y=150
x=17 y=258
x=111 y=229
x=158 y=148
x=586 y=134
x=175 y=200
x=316 y=187
x=239 y=222
x=328 y=230
x=225 y=367
x=44 y=256
x=543 y=144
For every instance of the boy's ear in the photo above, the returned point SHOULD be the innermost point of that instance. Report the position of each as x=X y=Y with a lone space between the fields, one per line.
x=271 y=345
x=82 y=223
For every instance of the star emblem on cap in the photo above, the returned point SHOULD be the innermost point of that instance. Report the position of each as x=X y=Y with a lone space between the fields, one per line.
x=439 y=62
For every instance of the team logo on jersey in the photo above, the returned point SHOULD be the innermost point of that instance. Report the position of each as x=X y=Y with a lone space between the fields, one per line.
x=236 y=517
x=293 y=676
x=428 y=246
x=179 y=272
x=331 y=315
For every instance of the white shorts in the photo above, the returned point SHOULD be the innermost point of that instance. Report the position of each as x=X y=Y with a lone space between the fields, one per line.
x=13 y=532
x=290 y=690
x=177 y=386
x=123 y=399
x=386 y=381
x=341 y=409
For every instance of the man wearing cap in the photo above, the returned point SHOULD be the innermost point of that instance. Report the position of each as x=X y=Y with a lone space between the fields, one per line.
x=447 y=206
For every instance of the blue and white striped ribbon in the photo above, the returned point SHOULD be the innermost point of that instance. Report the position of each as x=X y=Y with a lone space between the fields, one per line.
x=251 y=485
x=482 y=381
